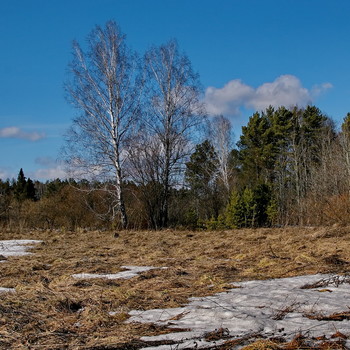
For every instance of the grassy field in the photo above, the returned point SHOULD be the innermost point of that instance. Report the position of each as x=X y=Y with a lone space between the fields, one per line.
x=52 y=310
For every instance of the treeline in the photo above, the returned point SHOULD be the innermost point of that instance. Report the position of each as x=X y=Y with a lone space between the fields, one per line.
x=154 y=159
x=289 y=167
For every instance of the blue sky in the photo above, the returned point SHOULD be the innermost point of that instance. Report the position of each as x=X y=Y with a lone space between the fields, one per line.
x=249 y=54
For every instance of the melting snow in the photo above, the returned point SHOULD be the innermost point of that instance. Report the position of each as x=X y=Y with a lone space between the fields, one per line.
x=271 y=308
x=132 y=271
x=16 y=247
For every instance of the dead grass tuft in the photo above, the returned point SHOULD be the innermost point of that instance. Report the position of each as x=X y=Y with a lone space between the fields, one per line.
x=299 y=342
x=262 y=344
x=339 y=335
x=217 y=334
x=334 y=259
x=338 y=316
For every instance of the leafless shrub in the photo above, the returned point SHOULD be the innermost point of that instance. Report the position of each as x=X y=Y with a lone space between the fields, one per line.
x=281 y=313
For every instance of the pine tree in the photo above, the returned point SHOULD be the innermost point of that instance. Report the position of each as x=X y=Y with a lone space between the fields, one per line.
x=257 y=149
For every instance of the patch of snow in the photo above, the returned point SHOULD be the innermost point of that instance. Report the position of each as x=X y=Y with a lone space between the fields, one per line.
x=277 y=307
x=17 y=247
x=131 y=271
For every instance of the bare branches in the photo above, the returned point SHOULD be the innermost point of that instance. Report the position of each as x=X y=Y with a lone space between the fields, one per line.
x=105 y=88
x=172 y=113
x=113 y=130
x=221 y=138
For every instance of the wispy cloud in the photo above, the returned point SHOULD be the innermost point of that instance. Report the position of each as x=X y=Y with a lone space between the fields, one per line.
x=50 y=173
x=17 y=133
x=5 y=174
x=320 y=89
x=286 y=90
x=49 y=169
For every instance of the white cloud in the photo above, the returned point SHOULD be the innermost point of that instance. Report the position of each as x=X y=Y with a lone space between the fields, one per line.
x=4 y=174
x=17 y=133
x=319 y=89
x=49 y=173
x=286 y=90
x=228 y=99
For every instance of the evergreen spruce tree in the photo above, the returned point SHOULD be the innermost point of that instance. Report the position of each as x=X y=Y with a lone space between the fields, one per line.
x=30 y=190
x=262 y=199
x=23 y=188
x=233 y=212
x=20 y=190
x=249 y=205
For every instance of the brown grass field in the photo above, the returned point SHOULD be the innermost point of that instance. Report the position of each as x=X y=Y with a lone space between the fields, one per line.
x=52 y=310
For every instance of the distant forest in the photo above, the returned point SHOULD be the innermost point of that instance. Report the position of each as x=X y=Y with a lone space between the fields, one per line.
x=150 y=157
x=289 y=167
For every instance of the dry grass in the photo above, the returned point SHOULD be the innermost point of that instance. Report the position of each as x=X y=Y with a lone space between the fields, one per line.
x=51 y=310
x=300 y=342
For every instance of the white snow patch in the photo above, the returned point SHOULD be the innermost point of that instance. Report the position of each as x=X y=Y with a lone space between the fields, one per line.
x=276 y=307
x=131 y=271
x=17 y=247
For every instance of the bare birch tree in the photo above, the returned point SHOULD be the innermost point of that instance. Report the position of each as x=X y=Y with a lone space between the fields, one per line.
x=221 y=139
x=173 y=112
x=104 y=88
